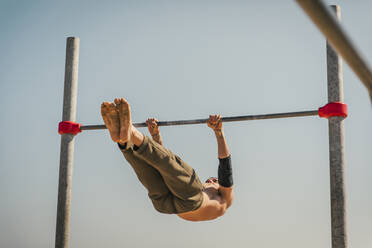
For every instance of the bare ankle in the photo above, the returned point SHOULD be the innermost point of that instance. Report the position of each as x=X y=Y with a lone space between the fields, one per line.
x=136 y=137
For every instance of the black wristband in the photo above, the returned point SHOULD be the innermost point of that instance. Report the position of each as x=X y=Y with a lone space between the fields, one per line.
x=225 y=178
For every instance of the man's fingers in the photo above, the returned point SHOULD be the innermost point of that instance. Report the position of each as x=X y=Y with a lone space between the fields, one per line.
x=214 y=119
x=214 y=122
x=152 y=121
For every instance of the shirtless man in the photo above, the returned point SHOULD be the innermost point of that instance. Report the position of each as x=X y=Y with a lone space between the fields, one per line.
x=172 y=185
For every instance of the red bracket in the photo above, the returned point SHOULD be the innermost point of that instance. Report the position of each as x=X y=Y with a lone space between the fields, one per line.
x=69 y=127
x=333 y=109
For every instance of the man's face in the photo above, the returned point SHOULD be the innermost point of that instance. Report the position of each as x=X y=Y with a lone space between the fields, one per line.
x=212 y=180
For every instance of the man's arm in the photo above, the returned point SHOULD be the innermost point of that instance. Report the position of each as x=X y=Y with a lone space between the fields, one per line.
x=224 y=170
x=227 y=194
x=215 y=123
x=223 y=150
x=152 y=125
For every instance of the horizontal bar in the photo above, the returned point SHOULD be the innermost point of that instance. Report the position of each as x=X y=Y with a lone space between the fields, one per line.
x=223 y=119
x=340 y=41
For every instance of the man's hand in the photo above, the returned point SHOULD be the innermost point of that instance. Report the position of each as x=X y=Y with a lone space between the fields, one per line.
x=215 y=122
x=152 y=125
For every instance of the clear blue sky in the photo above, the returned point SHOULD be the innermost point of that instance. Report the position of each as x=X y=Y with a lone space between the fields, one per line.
x=179 y=60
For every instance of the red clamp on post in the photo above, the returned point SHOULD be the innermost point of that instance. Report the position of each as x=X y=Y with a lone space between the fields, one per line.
x=333 y=109
x=69 y=127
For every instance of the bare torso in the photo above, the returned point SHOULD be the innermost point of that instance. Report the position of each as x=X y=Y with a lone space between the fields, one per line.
x=211 y=208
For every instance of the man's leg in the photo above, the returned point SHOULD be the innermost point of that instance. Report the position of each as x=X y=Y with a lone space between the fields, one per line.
x=151 y=179
x=167 y=172
x=179 y=177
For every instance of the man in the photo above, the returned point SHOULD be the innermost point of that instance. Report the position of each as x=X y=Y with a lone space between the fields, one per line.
x=172 y=185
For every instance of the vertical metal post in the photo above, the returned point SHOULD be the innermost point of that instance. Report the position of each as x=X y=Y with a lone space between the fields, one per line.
x=336 y=147
x=67 y=143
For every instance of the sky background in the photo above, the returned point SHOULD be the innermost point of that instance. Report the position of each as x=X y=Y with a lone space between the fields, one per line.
x=179 y=60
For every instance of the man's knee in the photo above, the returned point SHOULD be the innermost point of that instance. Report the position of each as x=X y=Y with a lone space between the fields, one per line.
x=163 y=203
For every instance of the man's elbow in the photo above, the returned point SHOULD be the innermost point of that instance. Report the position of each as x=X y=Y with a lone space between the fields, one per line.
x=228 y=195
x=229 y=201
x=229 y=198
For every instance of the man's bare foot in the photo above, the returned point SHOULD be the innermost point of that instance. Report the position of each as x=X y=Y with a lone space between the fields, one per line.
x=111 y=119
x=127 y=131
x=123 y=108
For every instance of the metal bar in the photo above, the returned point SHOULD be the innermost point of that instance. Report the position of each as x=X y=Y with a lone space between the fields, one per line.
x=67 y=144
x=341 y=42
x=336 y=147
x=224 y=119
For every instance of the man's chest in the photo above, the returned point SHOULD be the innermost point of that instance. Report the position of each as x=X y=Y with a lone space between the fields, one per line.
x=212 y=193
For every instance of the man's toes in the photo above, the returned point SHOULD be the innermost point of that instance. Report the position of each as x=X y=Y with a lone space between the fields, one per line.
x=111 y=106
x=106 y=104
x=121 y=105
x=124 y=102
x=108 y=112
x=104 y=108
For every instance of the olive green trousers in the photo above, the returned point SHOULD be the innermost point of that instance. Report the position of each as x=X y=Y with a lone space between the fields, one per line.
x=172 y=184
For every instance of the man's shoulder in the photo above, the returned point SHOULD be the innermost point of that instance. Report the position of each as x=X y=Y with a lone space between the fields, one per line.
x=216 y=205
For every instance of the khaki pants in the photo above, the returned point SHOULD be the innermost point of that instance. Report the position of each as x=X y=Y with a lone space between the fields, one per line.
x=172 y=185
